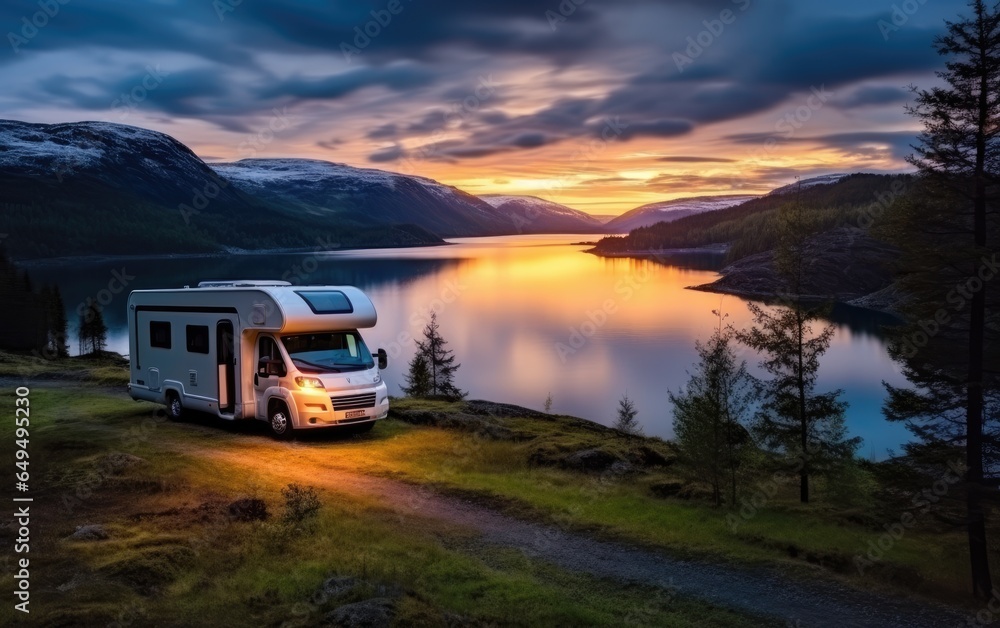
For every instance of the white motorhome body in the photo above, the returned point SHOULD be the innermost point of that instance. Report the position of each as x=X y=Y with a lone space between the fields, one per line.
x=288 y=355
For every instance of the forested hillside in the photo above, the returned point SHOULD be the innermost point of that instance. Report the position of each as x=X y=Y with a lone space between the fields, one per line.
x=752 y=227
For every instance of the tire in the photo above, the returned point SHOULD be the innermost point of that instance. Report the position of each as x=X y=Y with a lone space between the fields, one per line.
x=175 y=410
x=279 y=420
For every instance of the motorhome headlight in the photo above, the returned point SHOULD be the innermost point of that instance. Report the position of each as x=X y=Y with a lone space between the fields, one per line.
x=377 y=378
x=308 y=382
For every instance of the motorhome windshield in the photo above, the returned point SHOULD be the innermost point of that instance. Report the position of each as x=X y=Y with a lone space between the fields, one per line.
x=328 y=352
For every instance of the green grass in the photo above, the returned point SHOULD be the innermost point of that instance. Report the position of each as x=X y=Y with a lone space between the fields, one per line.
x=173 y=557
x=107 y=369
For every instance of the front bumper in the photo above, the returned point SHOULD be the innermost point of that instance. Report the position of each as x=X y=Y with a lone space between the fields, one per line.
x=314 y=408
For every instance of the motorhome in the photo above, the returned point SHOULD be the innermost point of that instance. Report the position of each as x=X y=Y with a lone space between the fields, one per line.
x=288 y=355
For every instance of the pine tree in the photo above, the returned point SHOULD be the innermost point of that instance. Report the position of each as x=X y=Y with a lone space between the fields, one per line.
x=548 y=404
x=710 y=413
x=627 y=413
x=949 y=235
x=418 y=379
x=793 y=418
x=55 y=345
x=440 y=361
x=93 y=333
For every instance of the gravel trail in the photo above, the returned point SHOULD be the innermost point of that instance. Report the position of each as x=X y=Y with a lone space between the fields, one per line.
x=757 y=590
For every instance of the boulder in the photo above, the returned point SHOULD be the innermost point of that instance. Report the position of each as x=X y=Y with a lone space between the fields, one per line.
x=90 y=532
x=377 y=611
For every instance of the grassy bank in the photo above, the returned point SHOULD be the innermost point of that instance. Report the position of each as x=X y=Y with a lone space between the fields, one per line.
x=174 y=551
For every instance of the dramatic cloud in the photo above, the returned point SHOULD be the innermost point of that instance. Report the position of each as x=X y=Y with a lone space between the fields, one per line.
x=519 y=91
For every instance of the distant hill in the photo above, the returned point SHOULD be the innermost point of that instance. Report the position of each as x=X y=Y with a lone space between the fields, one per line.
x=668 y=211
x=95 y=188
x=827 y=179
x=364 y=196
x=750 y=227
x=540 y=216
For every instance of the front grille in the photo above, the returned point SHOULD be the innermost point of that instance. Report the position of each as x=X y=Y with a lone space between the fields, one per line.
x=353 y=402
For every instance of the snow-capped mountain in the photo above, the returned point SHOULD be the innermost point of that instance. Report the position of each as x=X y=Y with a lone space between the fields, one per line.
x=668 y=211
x=364 y=196
x=541 y=216
x=126 y=160
x=99 y=188
x=826 y=179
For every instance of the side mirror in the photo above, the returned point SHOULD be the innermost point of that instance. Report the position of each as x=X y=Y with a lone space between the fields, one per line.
x=268 y=367
x=383 y=359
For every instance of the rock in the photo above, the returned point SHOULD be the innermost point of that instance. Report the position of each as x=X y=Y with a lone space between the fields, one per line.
x=667 y=488
x=590 y=460
x=374 y=612
x=841 y=264
x=248 y=509
x=621 y=468
x=646 y=456
x=502 y=410
x=90 y=532
x=335 y=587
x=496 y=432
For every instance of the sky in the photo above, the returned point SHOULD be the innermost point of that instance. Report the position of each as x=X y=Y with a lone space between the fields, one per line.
x=603 y=105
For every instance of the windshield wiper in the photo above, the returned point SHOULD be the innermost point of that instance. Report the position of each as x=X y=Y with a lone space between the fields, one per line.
x=321 y=367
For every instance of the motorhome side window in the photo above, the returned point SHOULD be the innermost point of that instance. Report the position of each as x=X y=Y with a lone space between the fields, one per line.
x=159 y=334
x=197 y=339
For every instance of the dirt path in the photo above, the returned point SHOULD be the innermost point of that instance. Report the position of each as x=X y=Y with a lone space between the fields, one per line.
x=756 y=590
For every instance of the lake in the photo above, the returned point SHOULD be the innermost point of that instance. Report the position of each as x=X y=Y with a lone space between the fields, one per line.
x=527 y=316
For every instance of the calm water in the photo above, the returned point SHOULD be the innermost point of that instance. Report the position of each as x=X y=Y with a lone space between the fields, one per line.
x=528 y=316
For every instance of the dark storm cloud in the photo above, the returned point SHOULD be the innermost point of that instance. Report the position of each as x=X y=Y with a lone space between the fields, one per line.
x=875 y=96
x=899 y=142
x=386 y=131
x=392 y=153
x=653 y=128
x=398 y=78
x=427 y=52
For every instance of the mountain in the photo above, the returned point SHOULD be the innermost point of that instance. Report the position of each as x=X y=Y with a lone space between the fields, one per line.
x=751 y=227
x=827 y=179
x=668 y=211
x=364 y=196
x=540 y=216
x=845 y=261
x=95 y=188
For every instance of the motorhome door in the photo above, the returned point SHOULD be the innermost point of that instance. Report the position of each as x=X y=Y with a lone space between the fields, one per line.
x=269 y=367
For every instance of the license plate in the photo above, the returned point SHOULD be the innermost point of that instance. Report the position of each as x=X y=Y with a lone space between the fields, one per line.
x=353 y=414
